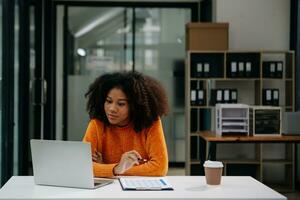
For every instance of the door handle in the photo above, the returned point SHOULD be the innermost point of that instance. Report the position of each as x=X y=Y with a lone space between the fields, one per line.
x=32 y=93
x=38 y=84
x=44 y=92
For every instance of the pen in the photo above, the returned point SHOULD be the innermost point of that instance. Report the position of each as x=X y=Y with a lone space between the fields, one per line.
x=162 y=181
x=142 y=160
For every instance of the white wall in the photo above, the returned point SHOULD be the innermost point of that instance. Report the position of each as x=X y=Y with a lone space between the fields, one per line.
x=255 y=24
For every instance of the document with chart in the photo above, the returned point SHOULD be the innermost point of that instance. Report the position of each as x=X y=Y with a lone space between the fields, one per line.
x=145 y=183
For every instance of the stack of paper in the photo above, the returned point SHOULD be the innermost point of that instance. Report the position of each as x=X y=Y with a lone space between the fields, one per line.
x=144 y=183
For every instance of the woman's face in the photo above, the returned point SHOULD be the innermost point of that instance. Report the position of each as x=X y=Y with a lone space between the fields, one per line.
x=116 y=107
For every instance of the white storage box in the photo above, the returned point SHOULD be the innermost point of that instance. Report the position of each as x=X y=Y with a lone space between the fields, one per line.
x=265 y=120
x=232 y=119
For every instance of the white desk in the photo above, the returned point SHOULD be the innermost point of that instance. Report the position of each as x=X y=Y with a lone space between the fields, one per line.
x=185 y=187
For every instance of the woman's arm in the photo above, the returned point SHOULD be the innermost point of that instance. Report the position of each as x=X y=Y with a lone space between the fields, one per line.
x=93 y=135
x=157 y=164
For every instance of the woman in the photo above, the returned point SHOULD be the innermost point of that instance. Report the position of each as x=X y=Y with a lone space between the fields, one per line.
x=125 y=129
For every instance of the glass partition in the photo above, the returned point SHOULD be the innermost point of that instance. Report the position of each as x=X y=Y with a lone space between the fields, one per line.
x=100 y=45
x=160 y=53
x=106 y=39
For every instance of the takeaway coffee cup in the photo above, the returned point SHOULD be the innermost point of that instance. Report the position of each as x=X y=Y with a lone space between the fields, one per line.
x=213 y=172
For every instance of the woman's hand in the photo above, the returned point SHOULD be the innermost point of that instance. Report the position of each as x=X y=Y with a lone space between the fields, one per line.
x=97 y=157
x=128 y=160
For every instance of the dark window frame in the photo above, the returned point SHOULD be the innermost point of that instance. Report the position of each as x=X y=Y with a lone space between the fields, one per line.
x=7 y=142
x=295 y=45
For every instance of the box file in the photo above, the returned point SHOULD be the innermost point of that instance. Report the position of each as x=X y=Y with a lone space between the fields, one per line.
x=233 y=96
x=279 y=69
x=193 y=70
x=206 y=65
x=201 y=97
x=267 y=97
x=272 y=69
x=226 y=98
x=206 y=72
x=223 y=96
x=241 y=69
x=193 y=97
x=219 y=96
x=266 y=69
x=275 y=97
x=271 y=97
x=248 y=69
x=214 y=98
x=199 y=70
x=243 y=65
x=193 y=93
x=233 y=69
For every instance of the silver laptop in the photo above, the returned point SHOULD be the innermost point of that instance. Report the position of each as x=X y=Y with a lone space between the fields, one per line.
x=64 y=163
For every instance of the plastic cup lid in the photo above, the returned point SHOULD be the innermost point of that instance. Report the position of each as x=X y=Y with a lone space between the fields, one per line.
x=213 y=164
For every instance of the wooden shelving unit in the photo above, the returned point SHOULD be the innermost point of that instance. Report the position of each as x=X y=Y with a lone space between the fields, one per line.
x=250 y=86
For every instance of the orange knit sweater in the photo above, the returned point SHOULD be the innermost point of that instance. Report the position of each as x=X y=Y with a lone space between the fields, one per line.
x=112 y=142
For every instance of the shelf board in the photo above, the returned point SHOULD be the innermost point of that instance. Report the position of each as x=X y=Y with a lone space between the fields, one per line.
x=266 y=51
x=241 y=79
x=280 y=187
x=234 y=118
x=207 y=79
x=193 y=162
x=240 y=161
x=277 y=161
x=208 y=107
x=211 y=136
x=225 y=79
x=194 y=134
x=277 y=79
x=273 y=79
